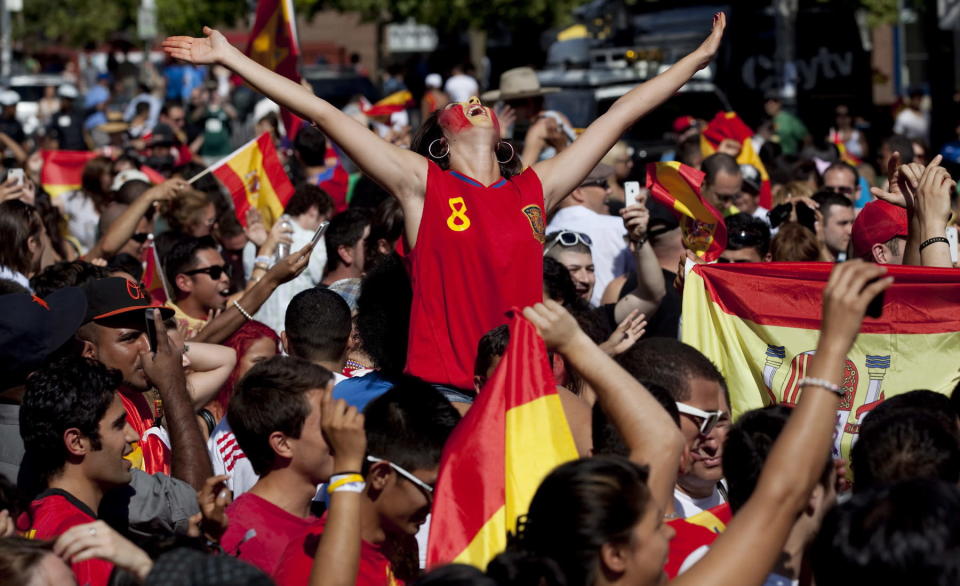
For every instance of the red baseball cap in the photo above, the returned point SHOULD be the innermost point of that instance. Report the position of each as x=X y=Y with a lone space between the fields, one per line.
x=681 y=123
x=877 y=223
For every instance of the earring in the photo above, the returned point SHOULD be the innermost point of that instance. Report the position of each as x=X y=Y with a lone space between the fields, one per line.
x=513 y=152
x=440 y=156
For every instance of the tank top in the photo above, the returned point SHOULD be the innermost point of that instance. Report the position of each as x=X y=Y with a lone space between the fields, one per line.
x=479 y=252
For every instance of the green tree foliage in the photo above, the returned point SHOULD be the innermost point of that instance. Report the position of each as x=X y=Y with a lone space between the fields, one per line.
x=188 y=17
x=455 y=14
x=73 y=22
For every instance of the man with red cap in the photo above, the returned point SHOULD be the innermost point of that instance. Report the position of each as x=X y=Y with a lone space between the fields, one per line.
x=880 y=233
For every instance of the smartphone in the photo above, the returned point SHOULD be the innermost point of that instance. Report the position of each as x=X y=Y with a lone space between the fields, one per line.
x=631 y=189
x=319 y=233
x=16 y=175
x=151 y=328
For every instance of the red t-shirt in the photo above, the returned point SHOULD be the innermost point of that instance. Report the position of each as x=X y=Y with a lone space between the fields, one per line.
x=274 y=528
x=478 y=253
x=296 y=563
x=150 y=453
x=695 y=532
x=53 y=513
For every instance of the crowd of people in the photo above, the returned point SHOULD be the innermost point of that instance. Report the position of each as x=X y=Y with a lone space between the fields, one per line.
x=189 y=397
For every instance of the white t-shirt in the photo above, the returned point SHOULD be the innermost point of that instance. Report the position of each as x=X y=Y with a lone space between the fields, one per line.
x=461 y=88
x=912 y=124
x=685 y=505
x=274 y=309
x=611 y=257
x=82 y=218
x=227 y=458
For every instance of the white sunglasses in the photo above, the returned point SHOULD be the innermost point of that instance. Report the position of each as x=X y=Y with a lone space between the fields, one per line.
x=409 y=476
x=708 y=419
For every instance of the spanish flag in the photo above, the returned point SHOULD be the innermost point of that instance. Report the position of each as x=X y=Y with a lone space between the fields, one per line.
x=845 y=155
x=693 y=533
x=513 y=436
x=255 y=178
x=677 y=186
x=274 y=44
x=395 y=102
x=153 y=279
x=728 y=125
x=63 y=170
x=759 y=323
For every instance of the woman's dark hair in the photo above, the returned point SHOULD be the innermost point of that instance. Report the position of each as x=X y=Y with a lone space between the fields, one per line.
x=430 y=131
x=18 y=223
x=383 y=314
x=20 y=559
x=578 y=508
x=387 y=224
x=91 y=181
x=53 y=222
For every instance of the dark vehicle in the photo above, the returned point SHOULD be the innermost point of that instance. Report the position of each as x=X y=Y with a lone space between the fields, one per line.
x=339 y=87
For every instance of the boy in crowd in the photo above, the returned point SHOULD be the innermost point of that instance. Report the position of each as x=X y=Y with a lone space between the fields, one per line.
x=406 y=429
x=75 y=430
x=276 y=415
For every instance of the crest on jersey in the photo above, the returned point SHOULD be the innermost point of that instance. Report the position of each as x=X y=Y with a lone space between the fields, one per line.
x=535 y=216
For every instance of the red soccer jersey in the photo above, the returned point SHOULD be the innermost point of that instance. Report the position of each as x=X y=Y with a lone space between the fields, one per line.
x=53 y=513
x=150 y=453
x=273 y=528
x=478 y=253
x=295 y=564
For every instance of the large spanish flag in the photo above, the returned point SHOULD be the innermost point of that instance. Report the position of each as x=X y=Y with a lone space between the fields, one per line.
x=677 y=186
x=274 y=44
x=759 y=323
x=254 y=176
x=512 y=437
x=395 y=102
x=63 y=170
x=728 y=125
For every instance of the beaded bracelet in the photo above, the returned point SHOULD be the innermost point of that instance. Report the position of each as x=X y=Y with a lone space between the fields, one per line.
x=243 y=311
x=819 y=382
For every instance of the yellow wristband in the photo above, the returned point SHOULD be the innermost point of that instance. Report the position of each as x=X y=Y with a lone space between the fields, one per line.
x=342 y=480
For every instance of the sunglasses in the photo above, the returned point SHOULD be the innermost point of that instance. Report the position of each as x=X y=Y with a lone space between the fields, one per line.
x=423 y=486
x=744 y=238
x=705 y=420
x=567 y=238
x=140 y=237
x=215 y=271
x=841 y=189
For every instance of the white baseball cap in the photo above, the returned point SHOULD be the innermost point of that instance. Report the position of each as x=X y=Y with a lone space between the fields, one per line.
x=433 y=80
x=9 y=98
x=129 y=175
x=68 y=91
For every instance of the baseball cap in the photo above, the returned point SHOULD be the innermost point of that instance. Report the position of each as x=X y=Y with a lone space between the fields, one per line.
x=32 y=328
x=9 y=98
x=68 y=91
x=433 y=80
x=128 y=175
x=876 y=223
x=599 y=174
x=682 y=123
x=751 y=178
x=116 y=295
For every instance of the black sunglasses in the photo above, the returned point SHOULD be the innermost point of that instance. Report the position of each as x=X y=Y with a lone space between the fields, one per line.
x=140 y=237
x=214 y=271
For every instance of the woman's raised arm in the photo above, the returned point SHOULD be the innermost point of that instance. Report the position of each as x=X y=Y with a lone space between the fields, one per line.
x=401 y=172
x=563 y=173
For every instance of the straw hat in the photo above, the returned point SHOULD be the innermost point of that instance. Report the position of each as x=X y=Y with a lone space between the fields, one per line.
x=114 y=123
x=517 y=83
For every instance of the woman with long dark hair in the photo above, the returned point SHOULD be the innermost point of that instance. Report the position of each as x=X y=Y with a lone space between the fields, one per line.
x=474 y=222
x=21 y=235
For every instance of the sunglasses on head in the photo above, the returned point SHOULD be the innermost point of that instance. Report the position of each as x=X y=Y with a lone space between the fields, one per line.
x=706 y=421
x=423 y=486
x=215 y=271
x=567 y=238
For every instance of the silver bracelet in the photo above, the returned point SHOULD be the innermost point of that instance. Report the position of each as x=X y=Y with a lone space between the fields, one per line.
x=819 y=382
x=243 y=311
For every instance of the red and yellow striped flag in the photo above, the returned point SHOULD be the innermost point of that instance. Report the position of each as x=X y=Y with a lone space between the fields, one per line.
x=513 y=436
x=759 y=323
x=395 y=102
x=153 y=279
x=255 y=178
x=728 y=125
x=677 y=186
x=274 y=44
x=63 y=170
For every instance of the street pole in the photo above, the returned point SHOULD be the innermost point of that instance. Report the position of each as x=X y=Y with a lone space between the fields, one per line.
x=785 y=18
x=5 y=42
